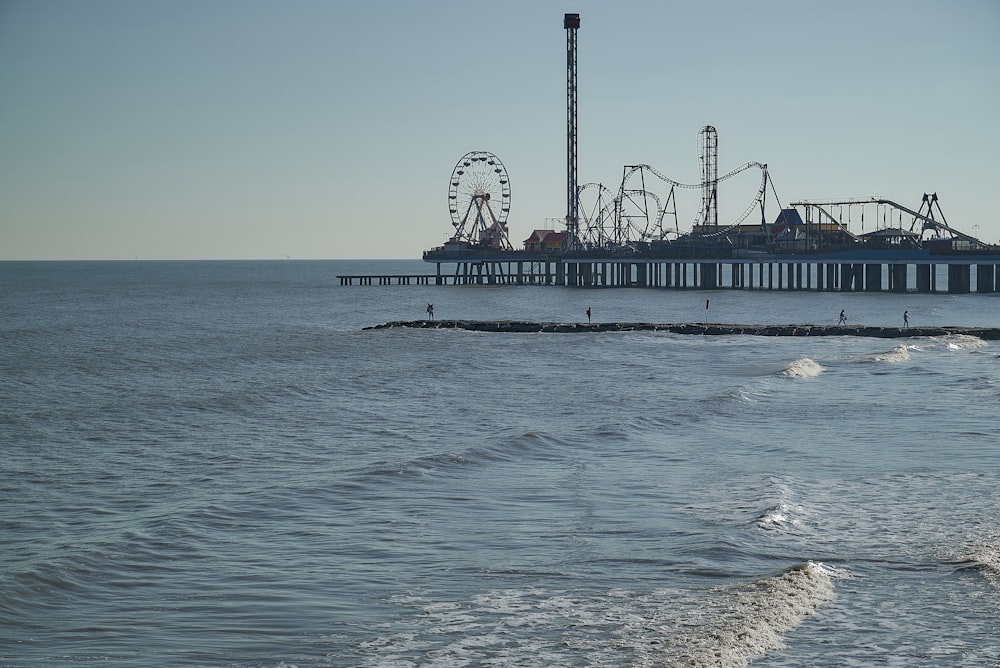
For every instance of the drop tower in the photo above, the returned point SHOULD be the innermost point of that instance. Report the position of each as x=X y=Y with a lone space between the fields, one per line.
x=571 y=22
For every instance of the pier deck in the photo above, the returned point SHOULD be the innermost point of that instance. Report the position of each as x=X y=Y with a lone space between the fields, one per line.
x=855 y=271
x=708 y=329
x=389 y=279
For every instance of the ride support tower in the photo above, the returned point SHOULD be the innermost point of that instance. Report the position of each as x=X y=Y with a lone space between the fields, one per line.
x=571 y=22
x=708 y=154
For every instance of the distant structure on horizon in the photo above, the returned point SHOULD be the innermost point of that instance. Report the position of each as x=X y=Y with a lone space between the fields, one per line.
x=621 y=241
x=628 y=228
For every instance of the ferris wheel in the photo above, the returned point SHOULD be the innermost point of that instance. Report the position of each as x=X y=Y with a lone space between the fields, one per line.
x=479 y=200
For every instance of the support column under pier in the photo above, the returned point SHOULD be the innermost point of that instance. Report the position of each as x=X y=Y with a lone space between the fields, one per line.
x=924 y=277
x=831 y=277
x=846 y=277
x=873 y=278
x=959 y=278
x=986 y=278
x=709 y=275
x=897 y=278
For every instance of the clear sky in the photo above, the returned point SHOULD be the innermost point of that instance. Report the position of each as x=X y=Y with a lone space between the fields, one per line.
x=164 y=129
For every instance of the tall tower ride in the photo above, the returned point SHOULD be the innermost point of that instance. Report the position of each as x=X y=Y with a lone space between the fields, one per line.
x=708 y=154
x=571 y=22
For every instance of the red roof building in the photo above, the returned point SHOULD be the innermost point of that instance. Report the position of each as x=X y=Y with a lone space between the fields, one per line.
x=543 y=241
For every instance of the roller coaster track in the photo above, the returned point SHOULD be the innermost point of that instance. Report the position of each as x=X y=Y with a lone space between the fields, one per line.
x=677 y=184
x=926 y=220
x=605 y=222
x=595 y=221
x=843 y=228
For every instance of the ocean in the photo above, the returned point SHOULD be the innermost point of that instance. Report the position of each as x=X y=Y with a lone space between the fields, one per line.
x=213 y=464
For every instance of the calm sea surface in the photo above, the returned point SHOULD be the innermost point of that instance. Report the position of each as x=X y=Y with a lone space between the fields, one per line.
x=211 y=464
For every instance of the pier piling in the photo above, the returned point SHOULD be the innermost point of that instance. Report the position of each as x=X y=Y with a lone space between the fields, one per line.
x=770 y=273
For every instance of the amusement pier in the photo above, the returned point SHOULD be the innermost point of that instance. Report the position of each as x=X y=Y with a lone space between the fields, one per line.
x=631 y=235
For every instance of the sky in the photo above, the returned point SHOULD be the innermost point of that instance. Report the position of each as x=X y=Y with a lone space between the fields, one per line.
x=250 y=129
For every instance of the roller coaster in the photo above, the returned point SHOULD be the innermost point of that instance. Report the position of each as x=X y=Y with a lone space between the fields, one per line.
x=641 y=217
x=926 y=224
x=636 y=215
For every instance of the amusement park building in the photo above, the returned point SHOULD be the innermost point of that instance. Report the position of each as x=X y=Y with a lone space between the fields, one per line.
x=544 y=241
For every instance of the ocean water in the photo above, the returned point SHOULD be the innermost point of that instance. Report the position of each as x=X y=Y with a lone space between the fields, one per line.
x=212 y=464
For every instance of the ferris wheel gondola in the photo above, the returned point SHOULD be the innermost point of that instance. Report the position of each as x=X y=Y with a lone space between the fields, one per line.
x=479 y=200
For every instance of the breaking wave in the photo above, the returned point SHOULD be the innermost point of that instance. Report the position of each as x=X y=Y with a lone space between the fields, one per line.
x=985 y=557
x=748 y=621
x=964 y=341
x=896 y=355
x=778 y=518
x=802 y=368
x=726 y=627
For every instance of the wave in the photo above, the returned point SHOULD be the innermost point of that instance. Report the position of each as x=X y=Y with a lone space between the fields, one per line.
x=903 y=352
x=748 y=621
x=526 y=446
x=984 y=557
x=779 y=517
x=726 y=627
x=963 y=342
x=803 y=367
x=897 y=355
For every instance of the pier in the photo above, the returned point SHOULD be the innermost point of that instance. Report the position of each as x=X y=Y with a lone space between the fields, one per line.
x=630 y=237
x=854 y=272
x=703 y=329
x=388 y=279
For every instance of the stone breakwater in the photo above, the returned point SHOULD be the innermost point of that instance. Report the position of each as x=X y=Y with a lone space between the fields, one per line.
x=523 y=326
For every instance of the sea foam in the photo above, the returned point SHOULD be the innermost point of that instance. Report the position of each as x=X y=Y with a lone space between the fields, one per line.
x=802 y=368
x=964 y=341
x=748 y=621
x=894 y=356
x=723 y=627
x=777 y=517
x=986 y=555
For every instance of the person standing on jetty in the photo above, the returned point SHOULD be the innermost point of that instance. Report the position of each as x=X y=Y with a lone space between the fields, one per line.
x=906 y=319
x=843 y=318
x=430 y=311
x=588 y=315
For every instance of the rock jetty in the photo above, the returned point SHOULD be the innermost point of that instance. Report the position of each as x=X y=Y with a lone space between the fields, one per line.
x=704 y=329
